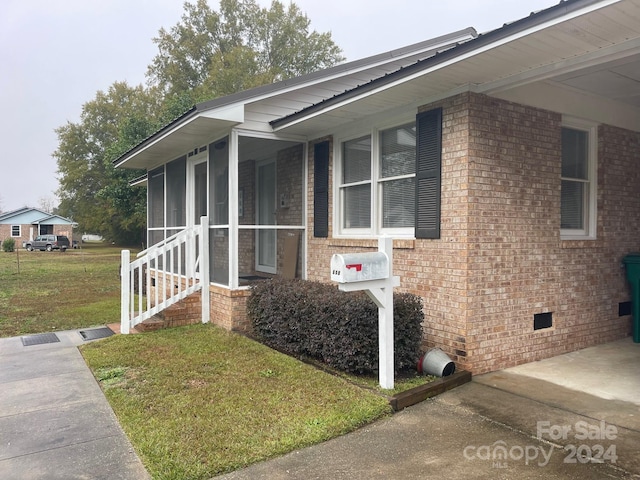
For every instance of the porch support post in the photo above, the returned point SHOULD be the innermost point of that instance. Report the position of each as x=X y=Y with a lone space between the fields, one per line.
x=125 y=291
x=233 y=209
x=204 y=268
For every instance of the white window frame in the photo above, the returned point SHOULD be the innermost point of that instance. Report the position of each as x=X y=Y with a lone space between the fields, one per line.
x=380 y=181
x=19 y=231
x=376 y=183
x=341 y=186
x=590 y=202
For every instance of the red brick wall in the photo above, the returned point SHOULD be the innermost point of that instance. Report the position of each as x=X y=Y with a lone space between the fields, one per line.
x=514 y=236
x=500 y=259
x=518 y=265
x=228 y=308
x=433 y=269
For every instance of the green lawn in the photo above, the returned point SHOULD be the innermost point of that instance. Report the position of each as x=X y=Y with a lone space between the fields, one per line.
x=48 y=291
x=199 y=401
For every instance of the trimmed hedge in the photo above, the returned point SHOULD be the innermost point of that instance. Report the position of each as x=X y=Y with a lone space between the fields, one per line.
x=316 y=320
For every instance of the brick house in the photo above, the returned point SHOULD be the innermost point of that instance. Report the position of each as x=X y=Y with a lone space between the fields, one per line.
x=27 y=223
x=504 y=165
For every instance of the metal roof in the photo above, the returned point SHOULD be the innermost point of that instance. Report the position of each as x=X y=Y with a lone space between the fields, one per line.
x=579 y=57
x=259 y=105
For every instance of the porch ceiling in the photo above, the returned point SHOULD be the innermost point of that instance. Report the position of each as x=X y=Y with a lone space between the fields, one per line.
x=174 y=142
x=587 y=65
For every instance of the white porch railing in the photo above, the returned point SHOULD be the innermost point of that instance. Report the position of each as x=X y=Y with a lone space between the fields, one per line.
x=179 y=265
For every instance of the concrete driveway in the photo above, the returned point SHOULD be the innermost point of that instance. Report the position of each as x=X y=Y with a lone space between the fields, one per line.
x=575 y=416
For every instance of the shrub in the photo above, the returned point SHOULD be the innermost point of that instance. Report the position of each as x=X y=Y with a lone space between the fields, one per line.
x=8 y=245
x=340 y=329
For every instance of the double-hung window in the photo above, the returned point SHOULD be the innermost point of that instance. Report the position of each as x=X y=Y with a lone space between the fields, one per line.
x=397 y=183
x=356 y=194
x=578 y=193
x=15 y=230
x=377 y=182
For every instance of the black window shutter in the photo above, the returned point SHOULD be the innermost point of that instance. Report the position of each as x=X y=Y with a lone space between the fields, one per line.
x=428 y=173
x=321 y=190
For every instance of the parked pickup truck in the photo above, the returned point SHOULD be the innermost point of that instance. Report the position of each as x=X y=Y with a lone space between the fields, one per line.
x=48 y=243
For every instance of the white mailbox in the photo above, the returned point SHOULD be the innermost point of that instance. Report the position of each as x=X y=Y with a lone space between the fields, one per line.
x=359 y=267
x=372 y=273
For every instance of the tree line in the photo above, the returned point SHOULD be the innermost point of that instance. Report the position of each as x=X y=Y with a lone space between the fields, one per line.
x=207 y=54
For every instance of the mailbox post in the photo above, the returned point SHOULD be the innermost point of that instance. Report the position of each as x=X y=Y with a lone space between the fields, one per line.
x=373 y=273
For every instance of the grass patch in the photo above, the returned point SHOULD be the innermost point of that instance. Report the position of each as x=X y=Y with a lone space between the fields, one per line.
x=199 y=401
x=403 y=382
x=400 y=384
x=48 y=291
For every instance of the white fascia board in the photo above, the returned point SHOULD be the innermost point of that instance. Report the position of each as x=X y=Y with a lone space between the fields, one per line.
x=458 y=59
x=140 y=182
x=231 y=113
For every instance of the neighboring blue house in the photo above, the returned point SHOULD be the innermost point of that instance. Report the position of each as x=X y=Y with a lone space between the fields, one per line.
x=26 y=223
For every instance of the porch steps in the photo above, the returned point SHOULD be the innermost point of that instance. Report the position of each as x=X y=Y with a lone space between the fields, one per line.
x=151 y=324
x=185 y=312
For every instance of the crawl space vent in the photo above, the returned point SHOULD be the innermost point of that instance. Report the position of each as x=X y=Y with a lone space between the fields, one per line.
x=542 y=320
x=624 y=308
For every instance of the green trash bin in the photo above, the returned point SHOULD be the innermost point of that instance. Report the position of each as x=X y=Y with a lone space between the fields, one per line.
x=632 y=265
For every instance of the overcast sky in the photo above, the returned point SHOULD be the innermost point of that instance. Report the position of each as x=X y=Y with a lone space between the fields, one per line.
x=56 y=54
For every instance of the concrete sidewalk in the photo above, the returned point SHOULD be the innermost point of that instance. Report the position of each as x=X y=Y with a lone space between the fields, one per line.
x=55 y=423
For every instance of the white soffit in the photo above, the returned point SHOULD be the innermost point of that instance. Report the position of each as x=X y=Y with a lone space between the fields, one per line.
x=573 y=48
x=345 y=78
x=184 y=137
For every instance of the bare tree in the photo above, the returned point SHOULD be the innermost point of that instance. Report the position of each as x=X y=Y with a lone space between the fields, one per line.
x=47 y=204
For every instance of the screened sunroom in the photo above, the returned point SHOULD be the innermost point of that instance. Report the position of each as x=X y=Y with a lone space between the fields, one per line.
x=252 y=190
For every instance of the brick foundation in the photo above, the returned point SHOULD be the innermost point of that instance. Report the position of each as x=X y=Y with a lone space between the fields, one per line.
x=228 y=308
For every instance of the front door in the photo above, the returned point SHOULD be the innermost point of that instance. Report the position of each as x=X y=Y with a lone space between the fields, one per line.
x=197 y=190
x=196 y=201
x=266 y=208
